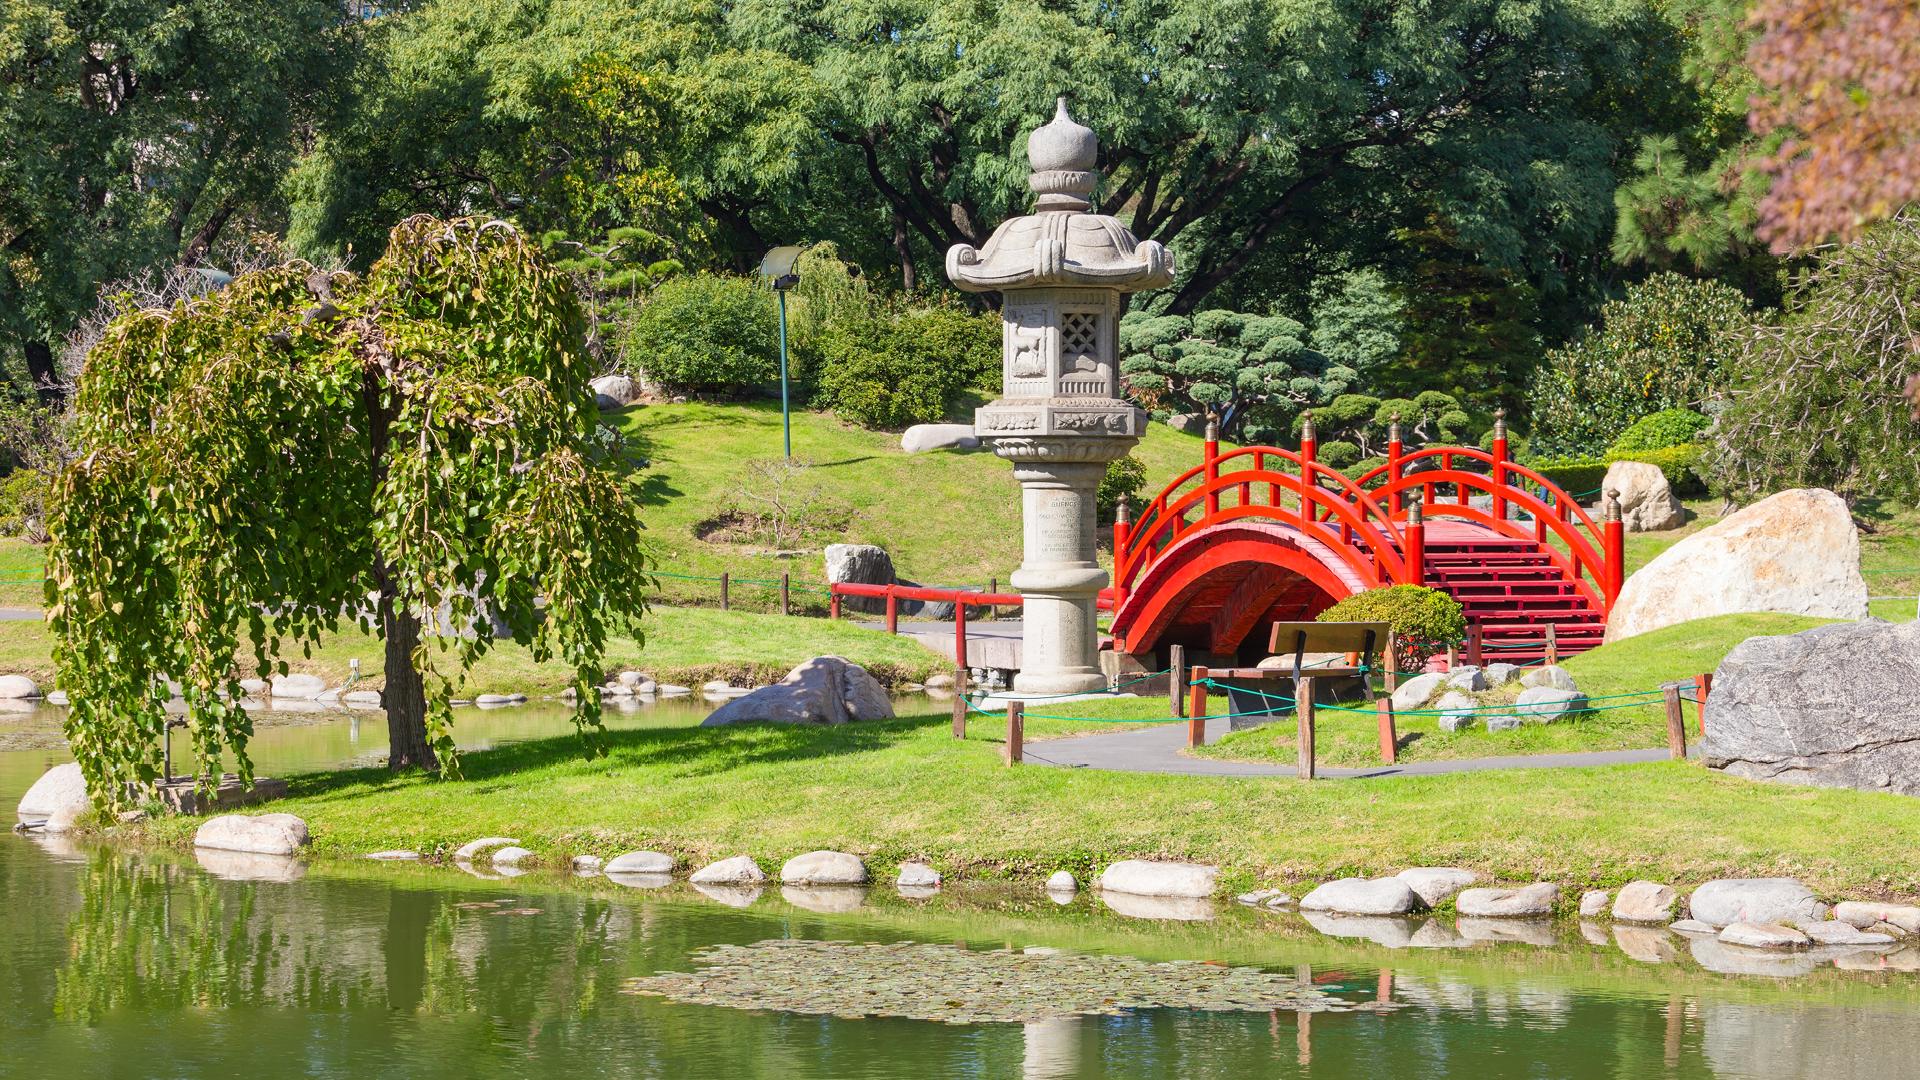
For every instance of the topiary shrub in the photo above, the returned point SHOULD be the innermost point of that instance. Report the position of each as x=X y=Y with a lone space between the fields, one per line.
x=1338 y=455
x=1668 y=427
x=907 y=369
x=1680 y=464
x=1424 y=620
x=706 y=333
x=1125 y=476
x=1578 y=476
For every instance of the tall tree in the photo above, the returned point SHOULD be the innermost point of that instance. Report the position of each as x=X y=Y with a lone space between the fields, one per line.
x=263 y=459
x=135 y=134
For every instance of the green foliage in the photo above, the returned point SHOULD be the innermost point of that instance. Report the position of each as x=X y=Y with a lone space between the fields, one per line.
x=1817 y=395
x=1471 y=326
x=1663 y=346
x=23 y=498
x=1657 y=431
x=1358 y=320
x=1227 y=363
x=706 y=333
x=1124 y=477
x=1576 y=475
x=263 y=458
x=1423 y=620
x=1363 y=421
x=906 y=368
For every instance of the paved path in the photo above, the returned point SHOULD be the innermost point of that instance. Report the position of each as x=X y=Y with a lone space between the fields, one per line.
x=1157 y=750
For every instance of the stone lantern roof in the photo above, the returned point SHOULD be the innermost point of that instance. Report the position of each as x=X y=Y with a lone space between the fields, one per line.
x=1061 y=243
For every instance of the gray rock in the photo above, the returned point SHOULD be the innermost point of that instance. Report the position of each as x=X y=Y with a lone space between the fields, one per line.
x=1143 y=878
x=739 y=870
x=1544 y=704
x=1647 y=502
x=922 y=438
x=1550 y=675
x=824 y=868
x=1454 y=699
x=59 y=787
x=1363 y=896
x=299 y=686
x=1455 y=722
x=16 y=687
x=1857 y=724
x=1840 y=933
x=511 y=855
x=860 y=564
x=1467 y=677
x=612 y=391
x=1695 y=926
x=500 y=699
x=56 y=697
x=1754 y=935
x=939 y=681
x=917 y=875
x=1865 y=914
x=824 y=690
x=632 y=679
x=1061 y=881
x=712 y=685
x=474 y=847
x=255 y=834
x=1503 y=722
x=255 y=687
x=641 y=862
x=361 y=697
x=670 y=690
x=1645 y=902
x=1502 y=674
x=1435 y=885
x=1594 y=903
x=1758 y=900
x=1526 y=902
x=1188 y=423
x=1417 y=691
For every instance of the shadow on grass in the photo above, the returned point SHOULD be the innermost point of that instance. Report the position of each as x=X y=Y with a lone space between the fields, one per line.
x=676 y=752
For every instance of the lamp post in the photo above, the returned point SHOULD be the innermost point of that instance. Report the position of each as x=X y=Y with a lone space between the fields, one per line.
x=781 y=266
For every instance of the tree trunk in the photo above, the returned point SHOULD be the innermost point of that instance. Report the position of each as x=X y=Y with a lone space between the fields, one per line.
x=405 y=696
x=46 y=380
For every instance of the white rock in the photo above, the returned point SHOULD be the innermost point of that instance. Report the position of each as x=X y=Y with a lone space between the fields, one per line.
x=1763 y=936
x=641 y=862
x=1455 y=722
x=396 y=855
x=17 y=686
x=646 y=686
x=1061 y=881
x=1143 y=878
x=739 y=870
x=1756 y=900
x=712 y=685
x=939 y=681
x=1467 y=677
x=500 y=699
x=1434 y=885
x=916 y=875
x=1502 y=674
x=60 y=786
x=1549 y=675
x=1645 y=902
x=1863 y=914
x=1840 y=933
x=1795 y=552
x=1544 y=704
x=1503 y=722
x=824 y=690
x=1647 y=502
x=632 y=678
x=511 y=855
x=298 y=686
x=474 y=847
x=258 y=834
x=1361 y=896
x=1594 y=903
x=921 y=438
x=1415 y=692
x=1528 y=901
x=57 y=697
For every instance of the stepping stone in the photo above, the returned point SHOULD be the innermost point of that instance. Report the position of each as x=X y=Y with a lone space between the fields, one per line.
x=1763 y=936
x=1840 y=933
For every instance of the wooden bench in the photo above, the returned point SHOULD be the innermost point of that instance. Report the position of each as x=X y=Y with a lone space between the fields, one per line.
x=1251 y=690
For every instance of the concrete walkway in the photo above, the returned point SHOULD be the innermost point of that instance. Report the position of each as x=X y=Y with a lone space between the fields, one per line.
x=1157 y=750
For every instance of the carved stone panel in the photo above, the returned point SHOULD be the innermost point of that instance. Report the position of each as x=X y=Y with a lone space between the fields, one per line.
x=1029 y=351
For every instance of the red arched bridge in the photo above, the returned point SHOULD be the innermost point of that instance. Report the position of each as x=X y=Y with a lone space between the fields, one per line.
x=1262 y=534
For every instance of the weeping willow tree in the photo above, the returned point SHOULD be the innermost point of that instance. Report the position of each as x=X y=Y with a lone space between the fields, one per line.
x=302 y=448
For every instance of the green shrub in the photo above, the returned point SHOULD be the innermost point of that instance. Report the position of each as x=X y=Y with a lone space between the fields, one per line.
x=707 y=333
x=1423 y=620
x=23 y=497
x=1668 y=427
x=908 y=368
x=1578 y=476
x=1338 y=454
x=1124 y=477
x=1364 y=466
x=1680 y=464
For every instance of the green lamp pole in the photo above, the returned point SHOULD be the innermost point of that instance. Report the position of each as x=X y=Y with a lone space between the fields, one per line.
x=782 y=265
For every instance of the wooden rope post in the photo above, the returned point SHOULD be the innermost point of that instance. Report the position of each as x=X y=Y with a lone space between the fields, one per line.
x=1702 y=687
x=724 y=577
x=1176 y=679
x=960 y=632
x=786 y=586
x=1016 y=729
x=1473 y=645
x=1553 y=645
x=959 y=703
x=1303 y=710
x=1197 y=708
x=1391 y=658
x=993 y=589
x=1676 y=722
x=1389 y=738
x=1453 y=655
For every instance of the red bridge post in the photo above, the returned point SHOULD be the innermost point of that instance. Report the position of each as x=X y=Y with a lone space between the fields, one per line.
x=1309 y=446
x=1395 y=448
x=1416 y=545
x=1212 y=448
x=1499 y=465
x=1616 y=541
x=1122 y=515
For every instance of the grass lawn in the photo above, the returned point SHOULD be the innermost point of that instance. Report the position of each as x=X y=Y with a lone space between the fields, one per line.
x=906 y=789
x=1638 y=663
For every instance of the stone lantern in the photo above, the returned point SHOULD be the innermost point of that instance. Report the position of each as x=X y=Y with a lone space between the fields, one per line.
x=1061 y=272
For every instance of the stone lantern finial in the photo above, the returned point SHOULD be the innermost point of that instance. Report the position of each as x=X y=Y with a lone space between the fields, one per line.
x=1062 y=154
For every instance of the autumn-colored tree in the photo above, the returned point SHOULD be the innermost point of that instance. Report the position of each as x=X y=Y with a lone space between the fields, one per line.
x=1843 y=85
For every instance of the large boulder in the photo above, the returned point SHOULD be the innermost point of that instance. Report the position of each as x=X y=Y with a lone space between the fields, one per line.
x=1142 y=878
x=824 y=690
x=1726 y=901
x=1544 y=704
x=58 y=788
x=16 y=687
x=824 y=868
x=1526 y=902
x=1434 y=885
x=298 y=686
x=739 y=870
x=1647 y=503
x=1835 y=706
x=1796 y=552
x=860 y=564
x=1415 y=692
x=922 y=438
x=612 y=391
x=1361 y=896
x=257 y=834
x=1645 y=902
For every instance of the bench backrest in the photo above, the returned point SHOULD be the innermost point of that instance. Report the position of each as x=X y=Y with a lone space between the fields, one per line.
x=1293 y=638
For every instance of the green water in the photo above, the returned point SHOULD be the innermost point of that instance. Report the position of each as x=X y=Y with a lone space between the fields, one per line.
x=123 y=964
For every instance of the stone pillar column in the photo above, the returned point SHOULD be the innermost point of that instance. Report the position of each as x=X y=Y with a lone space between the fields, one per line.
x=1059 y=576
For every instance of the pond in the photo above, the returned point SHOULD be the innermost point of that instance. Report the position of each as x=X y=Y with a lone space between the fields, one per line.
x=119 y=963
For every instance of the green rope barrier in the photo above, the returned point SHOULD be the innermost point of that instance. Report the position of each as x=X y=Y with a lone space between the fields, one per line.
x=1446 y=712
